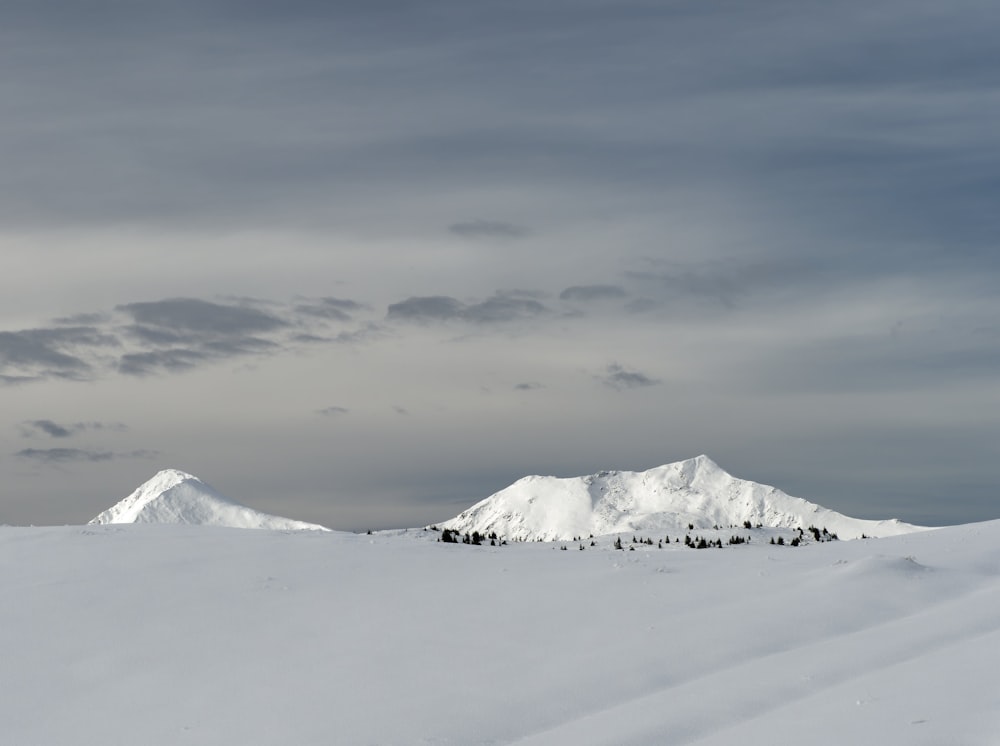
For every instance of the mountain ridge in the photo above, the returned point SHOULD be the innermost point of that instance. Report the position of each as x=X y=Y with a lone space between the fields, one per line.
x=665 y=499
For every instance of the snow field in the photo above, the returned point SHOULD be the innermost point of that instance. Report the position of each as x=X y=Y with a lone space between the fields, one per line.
x=200 y=635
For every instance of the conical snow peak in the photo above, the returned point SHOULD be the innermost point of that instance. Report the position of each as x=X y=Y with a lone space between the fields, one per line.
x=174 y=496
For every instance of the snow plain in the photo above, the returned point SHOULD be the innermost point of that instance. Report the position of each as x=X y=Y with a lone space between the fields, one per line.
x=179 y=634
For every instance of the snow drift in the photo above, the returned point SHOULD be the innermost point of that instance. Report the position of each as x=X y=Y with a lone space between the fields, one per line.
x=173 y=496
x=665 y=499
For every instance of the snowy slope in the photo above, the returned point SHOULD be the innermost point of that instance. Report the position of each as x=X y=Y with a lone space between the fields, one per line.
x=165 y=635
x=173 y=496
x=664 y=500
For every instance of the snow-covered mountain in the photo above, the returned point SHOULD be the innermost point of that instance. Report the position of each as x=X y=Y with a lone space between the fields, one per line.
x=663 y=500
x=173 y=496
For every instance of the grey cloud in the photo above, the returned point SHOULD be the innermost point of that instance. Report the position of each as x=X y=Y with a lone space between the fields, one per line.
x=50 y=428
x=309 y=338
x=400 y=410
x=323 y=312
x=81 y=319
x=333 y=411
x=522 y=293
x=169 y=336
x=186 y=332
x=239 y=346
x=426 y=308
x=825 y=151
x=337 y=309
x=192 y=315
x=878 y=363
x=365 y=333
x=7 y=380
x=154 y=335
x=148 y=363
x=527 y=386
x=48 y=353
x=345 y=304
x=640 y=305
x=587 y=293
x=499 y=308
x=53 y=429
x=618 y=377
x=730 y=281
x=52 y=456
x=32 y=428
x=488 y=228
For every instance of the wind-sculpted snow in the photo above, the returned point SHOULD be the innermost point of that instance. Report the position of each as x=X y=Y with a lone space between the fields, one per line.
x=664 y=500
x=173 y=496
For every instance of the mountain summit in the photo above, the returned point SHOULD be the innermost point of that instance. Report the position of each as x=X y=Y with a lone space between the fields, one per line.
x=173 y=496
x=665 y=499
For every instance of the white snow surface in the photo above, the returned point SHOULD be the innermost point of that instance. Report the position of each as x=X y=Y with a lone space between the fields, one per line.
x=173 y=496
x=663 y=500
x=195 y=635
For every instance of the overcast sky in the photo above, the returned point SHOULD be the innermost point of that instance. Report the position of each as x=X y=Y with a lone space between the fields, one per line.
x=365 y=263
